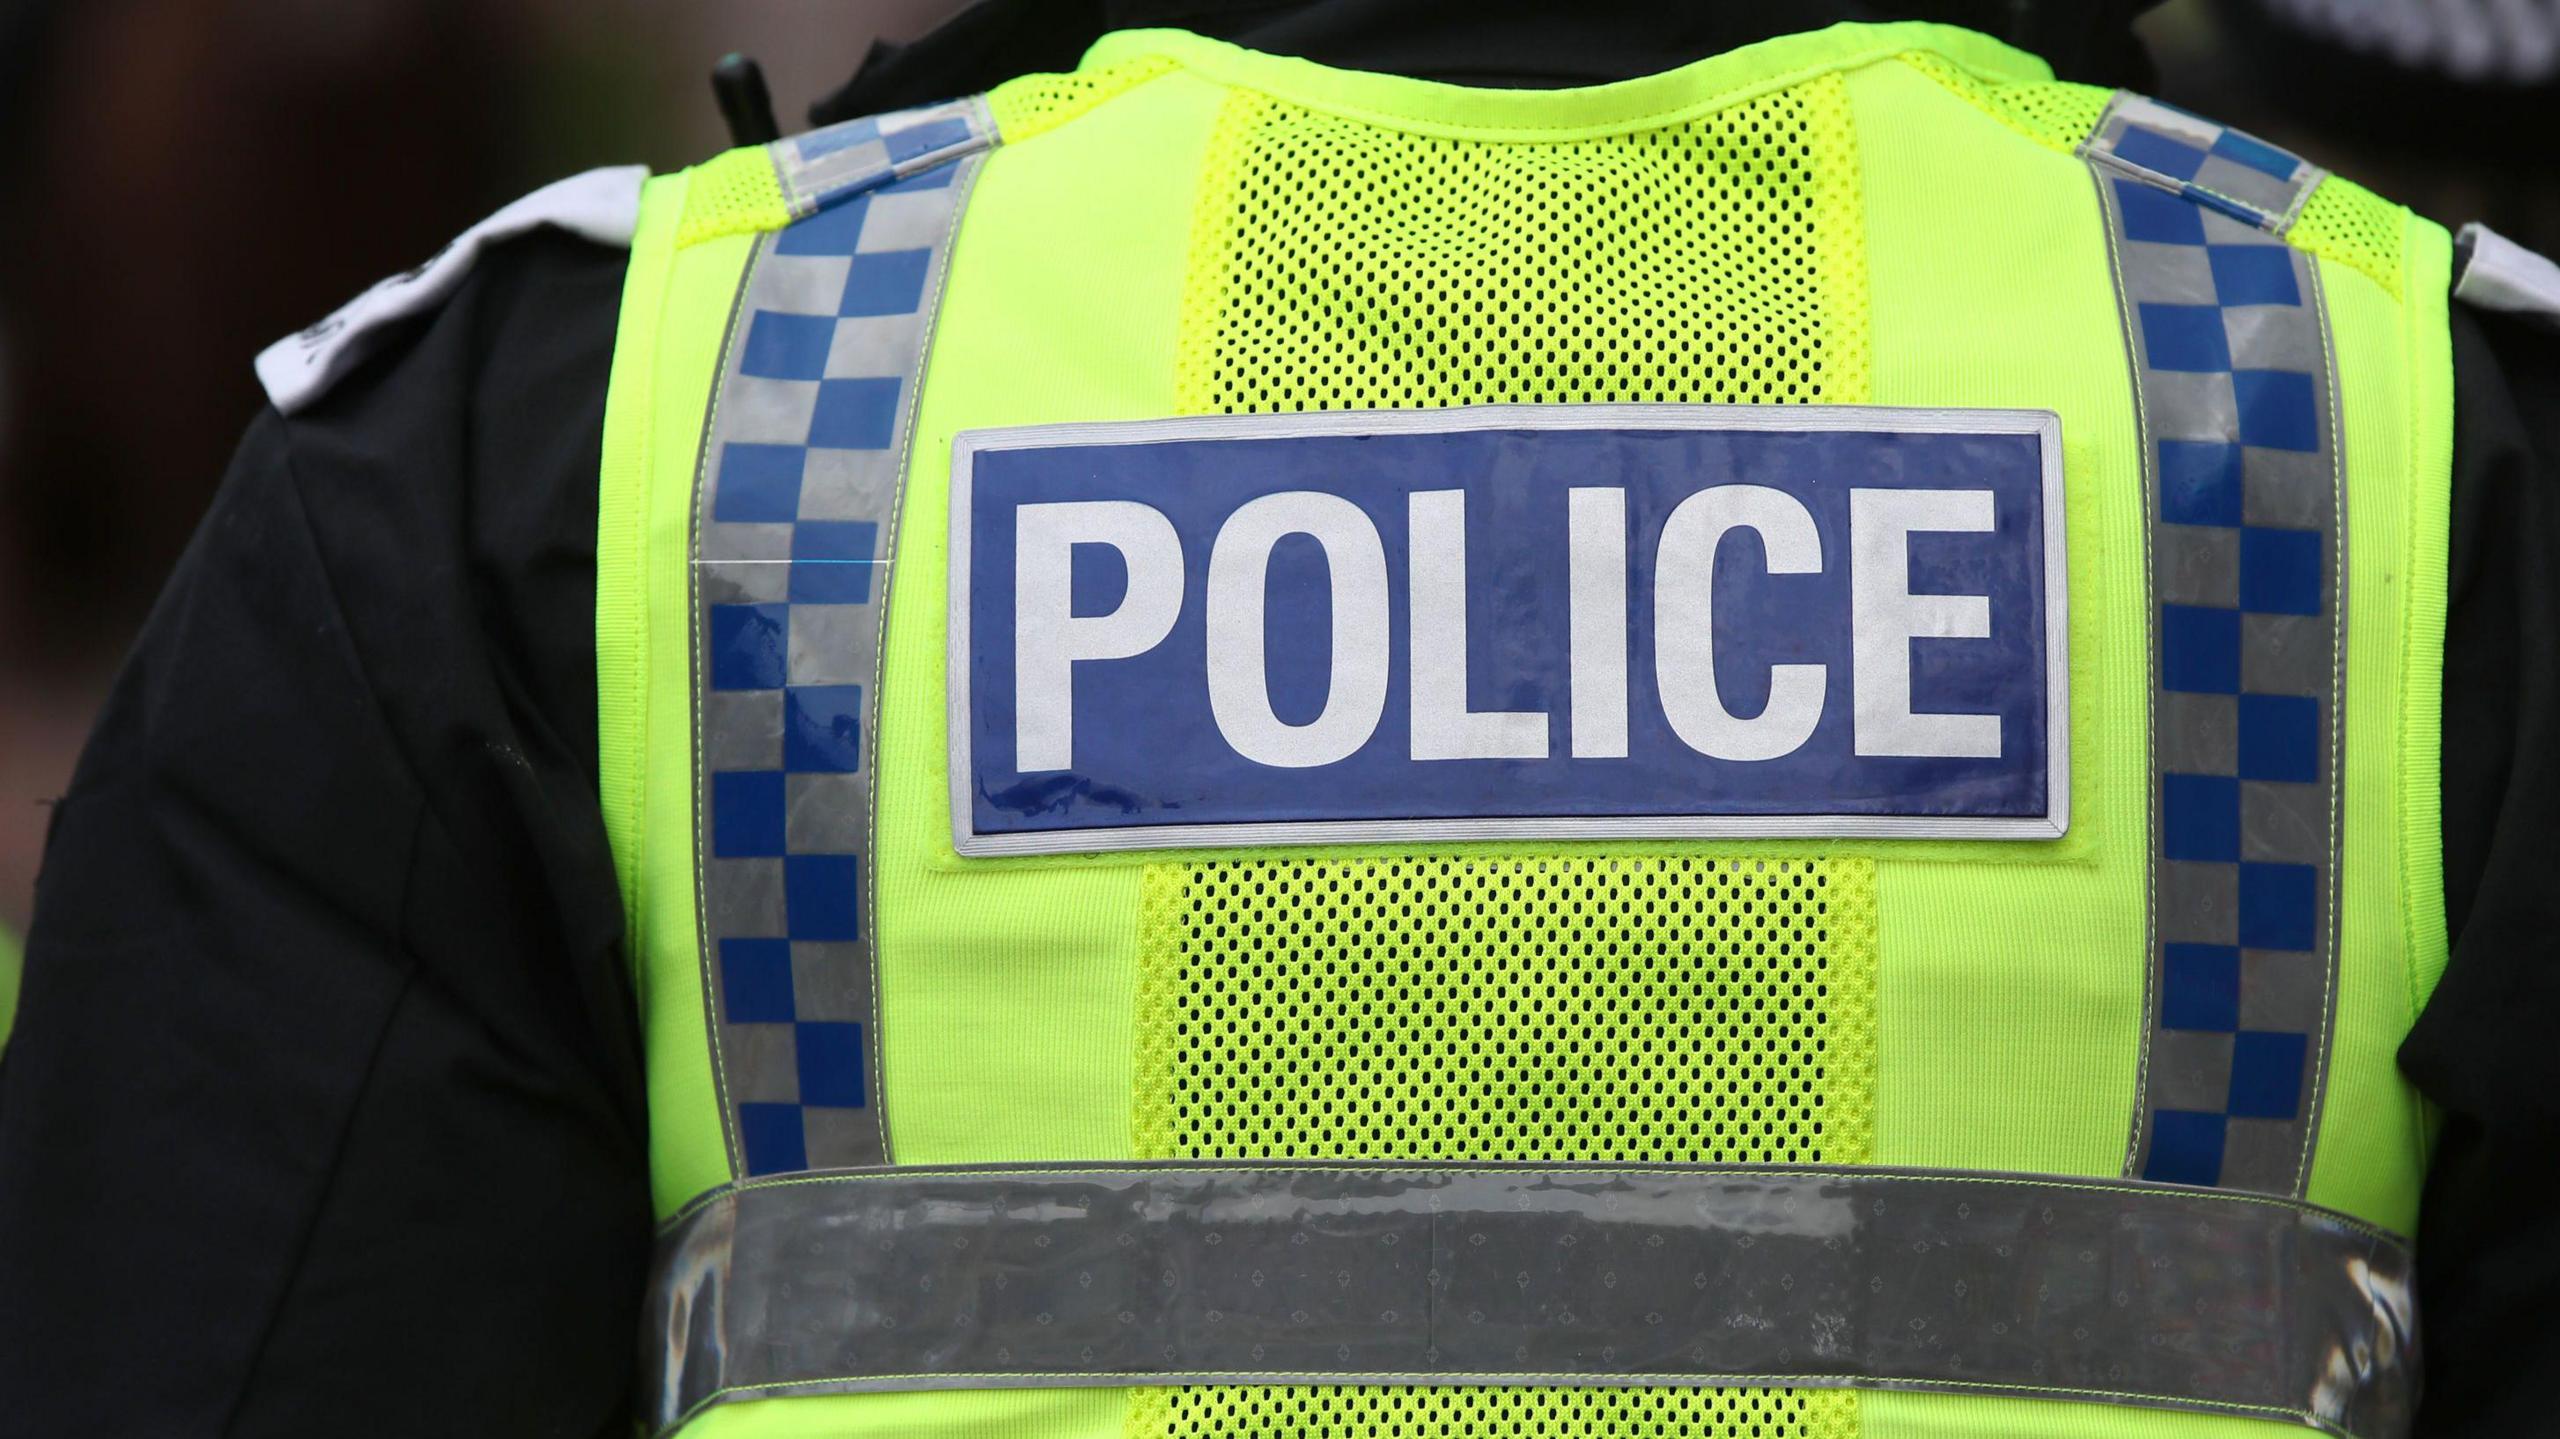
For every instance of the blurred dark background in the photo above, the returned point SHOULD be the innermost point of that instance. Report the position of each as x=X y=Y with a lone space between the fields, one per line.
x=183 y=181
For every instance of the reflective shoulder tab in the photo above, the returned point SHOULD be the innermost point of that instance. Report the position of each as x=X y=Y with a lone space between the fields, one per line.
x=822 y=166
x=2499 y=274
x=767 y=187
x=2212 y=164
x=600 y=205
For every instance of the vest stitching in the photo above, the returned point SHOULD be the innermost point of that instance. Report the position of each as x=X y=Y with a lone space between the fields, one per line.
x=2151 y=672
x=700 y=499
x=2316 y=1095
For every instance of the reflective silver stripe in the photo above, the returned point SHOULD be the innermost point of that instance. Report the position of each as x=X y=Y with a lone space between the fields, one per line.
x=802 y=475
x=2245 y=511
x=1592 y=1274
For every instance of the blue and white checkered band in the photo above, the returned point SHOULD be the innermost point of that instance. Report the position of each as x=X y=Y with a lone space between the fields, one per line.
x=803 y=466
x=1508 y=622
x=823 y=166
x=2215 y=166
x=2242 y=482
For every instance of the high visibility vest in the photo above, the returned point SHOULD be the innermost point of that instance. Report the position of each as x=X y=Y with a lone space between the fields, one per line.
x=1747 y=753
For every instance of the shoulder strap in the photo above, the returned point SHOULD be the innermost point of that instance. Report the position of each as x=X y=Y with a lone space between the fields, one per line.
x=600 y=205
x=2492 y=272
x=2215 y=166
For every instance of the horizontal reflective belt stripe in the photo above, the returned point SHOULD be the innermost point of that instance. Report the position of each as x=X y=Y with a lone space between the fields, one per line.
x=1588 y=1274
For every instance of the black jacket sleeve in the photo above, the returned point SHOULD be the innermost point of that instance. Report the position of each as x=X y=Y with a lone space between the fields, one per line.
x=325 y=1112
x=2486 y=1051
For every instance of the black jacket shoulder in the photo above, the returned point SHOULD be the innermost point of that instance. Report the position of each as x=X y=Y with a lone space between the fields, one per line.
x=326 y=1091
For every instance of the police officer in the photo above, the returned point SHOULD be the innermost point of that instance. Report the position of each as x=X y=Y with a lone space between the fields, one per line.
x=518 y=831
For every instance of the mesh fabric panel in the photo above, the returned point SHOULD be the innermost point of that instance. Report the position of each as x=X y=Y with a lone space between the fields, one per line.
x=2345 y=222
x=732 y=194
x=1030 y=104
x=1350 y=266
x=1553 y=1007
x=2052 y=113
x=1547 y=1007
x=1570 y=1005
x=1296 y=1412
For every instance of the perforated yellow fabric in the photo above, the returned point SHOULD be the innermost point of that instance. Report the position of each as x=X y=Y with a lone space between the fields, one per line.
x=2052 y=113
x=1029 y=104
x=1521 y=1413
x=1534 y=1007
x=1549 y=1007
x=1342 y=265
x=2345 y=222
x=732 y=194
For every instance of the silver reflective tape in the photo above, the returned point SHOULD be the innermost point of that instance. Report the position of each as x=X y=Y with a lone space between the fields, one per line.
x=2244 y=499
x=1592 y=1274
x=803 y=471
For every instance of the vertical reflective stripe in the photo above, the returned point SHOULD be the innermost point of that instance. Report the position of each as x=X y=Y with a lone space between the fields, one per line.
x=991 y=1277
x=2243 y=491
x=802 y=474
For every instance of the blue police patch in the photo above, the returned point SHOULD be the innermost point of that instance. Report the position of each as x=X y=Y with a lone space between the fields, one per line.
x=1508 y=622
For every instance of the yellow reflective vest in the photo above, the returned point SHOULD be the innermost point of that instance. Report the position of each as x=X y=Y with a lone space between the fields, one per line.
x=1153 y=918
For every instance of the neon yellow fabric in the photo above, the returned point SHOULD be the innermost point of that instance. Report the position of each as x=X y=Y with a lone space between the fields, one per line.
x=957 y=1414
x=2395 y=372
x=2341 y=220
x=666 y=361
x=732 y=194
x=1712 y=260
x=2429 y=346
x=1009 y=992
x=1554 y=116
x=1989 y=284
x=2054 y=113
x=1537 y=1006
x=2345 y=222
x=1031 y=1005
x=1314 y=1412
x=1033 y=104
x=1888 y=1414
